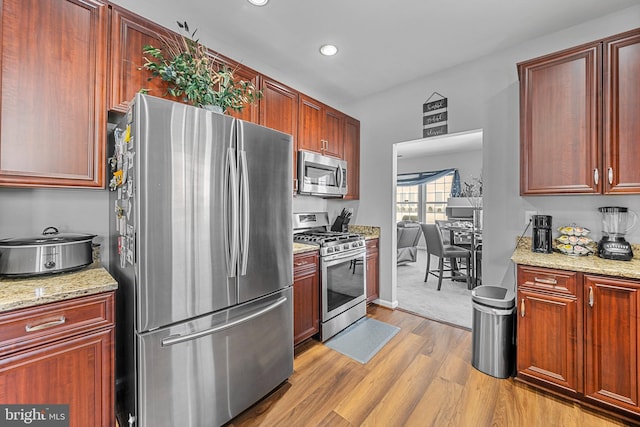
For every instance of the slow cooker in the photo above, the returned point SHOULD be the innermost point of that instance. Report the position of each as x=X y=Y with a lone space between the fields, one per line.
x=51 y=252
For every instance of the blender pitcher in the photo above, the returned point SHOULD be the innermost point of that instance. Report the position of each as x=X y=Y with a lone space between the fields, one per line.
x=615 y=225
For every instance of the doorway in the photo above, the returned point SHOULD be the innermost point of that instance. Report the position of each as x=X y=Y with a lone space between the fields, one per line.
x=426 y=202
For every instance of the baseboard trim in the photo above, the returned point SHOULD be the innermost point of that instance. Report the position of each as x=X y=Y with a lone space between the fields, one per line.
x=392 y=305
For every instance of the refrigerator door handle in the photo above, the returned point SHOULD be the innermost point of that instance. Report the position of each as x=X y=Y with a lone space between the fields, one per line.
x=177 y=339
x=244 y=213
x=230 y=212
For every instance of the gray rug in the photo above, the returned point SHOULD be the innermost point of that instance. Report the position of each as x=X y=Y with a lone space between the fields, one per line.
x=452 y=304
x=362 y=340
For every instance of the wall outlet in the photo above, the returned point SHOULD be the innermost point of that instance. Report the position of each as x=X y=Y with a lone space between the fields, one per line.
x=528 y=216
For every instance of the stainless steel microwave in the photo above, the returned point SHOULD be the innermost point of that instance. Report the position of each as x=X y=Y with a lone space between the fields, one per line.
x=320 y=175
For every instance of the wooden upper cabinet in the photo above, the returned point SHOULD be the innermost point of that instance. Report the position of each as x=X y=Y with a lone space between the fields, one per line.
x=53 y=117
x=612 y=348
x=311 y=121
x=559 y=122
x=352 y=156
x=621 y=113
x=279 y=111
x=129 y=34
x=333 y=127
x=321 y=128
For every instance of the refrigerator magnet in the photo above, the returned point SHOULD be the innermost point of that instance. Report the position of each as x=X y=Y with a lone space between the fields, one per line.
x=127 y=134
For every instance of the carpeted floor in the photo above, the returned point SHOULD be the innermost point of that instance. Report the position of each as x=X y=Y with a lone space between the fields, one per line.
x=452 y=304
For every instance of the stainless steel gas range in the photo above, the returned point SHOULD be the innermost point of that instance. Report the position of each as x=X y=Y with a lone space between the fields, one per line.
x=342 y=271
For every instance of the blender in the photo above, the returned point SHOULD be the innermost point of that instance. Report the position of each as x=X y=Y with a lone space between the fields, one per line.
x=614 y=227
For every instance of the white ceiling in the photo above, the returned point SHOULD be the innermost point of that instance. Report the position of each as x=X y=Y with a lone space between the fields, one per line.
x=382 y=43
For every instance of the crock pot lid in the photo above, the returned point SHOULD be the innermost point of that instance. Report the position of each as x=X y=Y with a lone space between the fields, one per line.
x=50 y=238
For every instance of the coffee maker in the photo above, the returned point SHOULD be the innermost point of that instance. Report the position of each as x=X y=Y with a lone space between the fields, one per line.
x=542 y=237
x=614 y=227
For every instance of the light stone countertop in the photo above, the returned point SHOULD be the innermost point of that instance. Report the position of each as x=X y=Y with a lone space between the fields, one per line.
x=368 y=231
x=299 y=248
x=28 y=292
x=586 y=264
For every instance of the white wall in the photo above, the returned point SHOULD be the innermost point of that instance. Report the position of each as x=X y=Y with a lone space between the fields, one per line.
x=482 y=94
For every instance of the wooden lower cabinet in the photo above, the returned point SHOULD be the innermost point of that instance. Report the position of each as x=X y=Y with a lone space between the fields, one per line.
x=579 y=335
x=612 y=347
x=61 y=353
x=547 y=344
x=306 y=296
x=373 y=270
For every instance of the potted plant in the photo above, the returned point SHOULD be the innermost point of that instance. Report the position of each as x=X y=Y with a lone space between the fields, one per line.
x=192 y=73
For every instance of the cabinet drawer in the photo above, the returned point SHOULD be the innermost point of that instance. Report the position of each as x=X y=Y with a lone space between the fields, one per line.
x=25 y=328
x=560 y=281
x=372 y=245
x=305 y=264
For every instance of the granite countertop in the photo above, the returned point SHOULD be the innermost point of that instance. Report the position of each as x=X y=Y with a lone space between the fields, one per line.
x=586 y=264
x=369 y=232
x=299 y=248
x=28 y=292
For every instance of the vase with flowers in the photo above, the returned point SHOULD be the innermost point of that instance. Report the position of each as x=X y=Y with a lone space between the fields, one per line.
x=472 y=190
x=193 y=73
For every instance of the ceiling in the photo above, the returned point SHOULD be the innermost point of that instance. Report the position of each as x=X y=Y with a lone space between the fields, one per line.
x=381 y=43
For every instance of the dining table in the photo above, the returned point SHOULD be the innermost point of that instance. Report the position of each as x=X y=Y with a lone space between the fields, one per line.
x=466 y=230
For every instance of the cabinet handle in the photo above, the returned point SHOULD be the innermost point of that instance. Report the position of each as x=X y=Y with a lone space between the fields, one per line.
x=596 y=176
x=522 y=308
x=298 y=264
x=546 y=281
x=590 y=296
x=610 y=173
x=46 y=325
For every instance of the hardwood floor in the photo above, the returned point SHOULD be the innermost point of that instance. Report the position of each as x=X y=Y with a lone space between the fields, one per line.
x=422 y=377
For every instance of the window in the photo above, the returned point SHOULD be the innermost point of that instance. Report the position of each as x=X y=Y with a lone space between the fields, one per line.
x=424 y=202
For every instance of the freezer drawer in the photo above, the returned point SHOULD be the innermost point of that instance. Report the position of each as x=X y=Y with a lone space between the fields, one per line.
x=208 y=370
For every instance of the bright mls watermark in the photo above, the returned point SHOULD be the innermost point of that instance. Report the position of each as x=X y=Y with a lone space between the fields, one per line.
x=34 y=415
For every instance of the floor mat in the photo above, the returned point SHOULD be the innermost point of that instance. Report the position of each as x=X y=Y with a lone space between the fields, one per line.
x=362 y=340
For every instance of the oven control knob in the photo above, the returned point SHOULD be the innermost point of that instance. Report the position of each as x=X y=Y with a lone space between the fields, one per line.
x=346 y=246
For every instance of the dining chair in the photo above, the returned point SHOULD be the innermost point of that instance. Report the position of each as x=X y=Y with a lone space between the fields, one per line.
x=435 y=246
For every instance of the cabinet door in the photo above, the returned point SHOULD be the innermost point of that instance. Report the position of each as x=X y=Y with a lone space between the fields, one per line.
x=310 y=136
x=548 y=347
x=306 y=296
x=76 y=371
x=612 y=343
x=559 y=122
x=279 y=111
x=351 y=142
x=373 y=270
x=333 y=131
x=622 y=109
x=53 y=115
x=129 y=34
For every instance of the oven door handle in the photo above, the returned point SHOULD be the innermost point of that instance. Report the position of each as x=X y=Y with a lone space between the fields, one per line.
x=340 y=258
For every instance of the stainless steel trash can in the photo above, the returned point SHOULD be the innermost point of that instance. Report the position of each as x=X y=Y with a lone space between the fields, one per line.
x=493 y=331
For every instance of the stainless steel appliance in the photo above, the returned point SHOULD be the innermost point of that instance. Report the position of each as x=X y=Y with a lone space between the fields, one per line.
x=615 y=225
x=201 y=246
x=542 y=236
x=320 y=175
x=51 y=252
x=342 y=271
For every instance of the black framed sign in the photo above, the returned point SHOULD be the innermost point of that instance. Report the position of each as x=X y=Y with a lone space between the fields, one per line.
x=434 y=116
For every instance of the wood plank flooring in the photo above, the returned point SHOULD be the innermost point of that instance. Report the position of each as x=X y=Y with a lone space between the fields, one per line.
x=422 y=377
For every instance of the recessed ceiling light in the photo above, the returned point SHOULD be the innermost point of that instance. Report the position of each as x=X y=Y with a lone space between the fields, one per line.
x=258 y=2
x=328 y=50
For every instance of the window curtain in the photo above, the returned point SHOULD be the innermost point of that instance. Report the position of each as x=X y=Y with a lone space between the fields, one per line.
x=418 y=178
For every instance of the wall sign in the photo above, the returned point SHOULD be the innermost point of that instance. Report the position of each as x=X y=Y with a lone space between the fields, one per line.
x=434 y=116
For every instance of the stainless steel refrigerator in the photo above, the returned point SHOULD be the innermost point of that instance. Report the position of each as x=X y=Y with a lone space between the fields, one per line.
x=201 y=246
